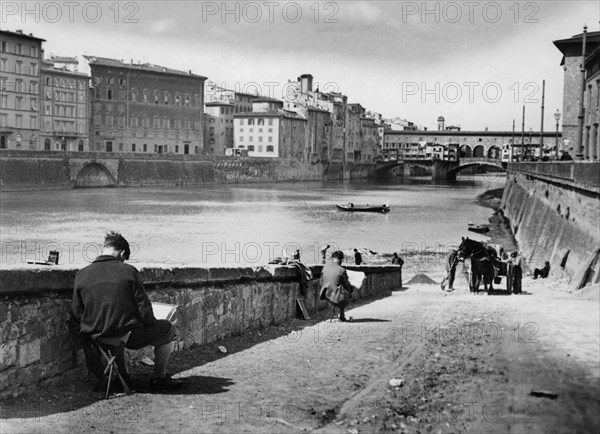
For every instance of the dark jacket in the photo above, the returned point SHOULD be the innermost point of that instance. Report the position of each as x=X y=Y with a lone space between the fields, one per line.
x=335 y=286
x=109 y=299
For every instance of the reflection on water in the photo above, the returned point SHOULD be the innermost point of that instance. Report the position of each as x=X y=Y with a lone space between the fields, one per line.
x=215 y=225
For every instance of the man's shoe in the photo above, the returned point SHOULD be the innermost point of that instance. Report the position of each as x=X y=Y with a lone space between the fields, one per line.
x=167 y=383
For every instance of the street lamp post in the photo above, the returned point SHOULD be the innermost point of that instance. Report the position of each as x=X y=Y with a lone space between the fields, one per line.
x=557 y=117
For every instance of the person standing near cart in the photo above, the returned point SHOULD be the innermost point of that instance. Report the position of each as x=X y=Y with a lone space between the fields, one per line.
x=451 y=263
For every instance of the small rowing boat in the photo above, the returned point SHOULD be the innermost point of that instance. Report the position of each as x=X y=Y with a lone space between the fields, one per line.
x=482 y=229
x=364 y=208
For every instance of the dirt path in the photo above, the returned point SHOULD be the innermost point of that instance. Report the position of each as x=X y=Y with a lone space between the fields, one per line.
x=467 y=364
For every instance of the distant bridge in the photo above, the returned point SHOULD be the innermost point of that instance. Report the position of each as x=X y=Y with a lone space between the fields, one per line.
x=440 y=169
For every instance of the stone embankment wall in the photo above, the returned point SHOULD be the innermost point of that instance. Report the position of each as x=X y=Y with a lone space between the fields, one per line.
x=215 y=303
x=34 y=170
x=554 y=210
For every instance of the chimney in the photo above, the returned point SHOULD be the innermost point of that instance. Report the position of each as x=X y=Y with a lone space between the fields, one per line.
x=306 y=82
x=441 y=123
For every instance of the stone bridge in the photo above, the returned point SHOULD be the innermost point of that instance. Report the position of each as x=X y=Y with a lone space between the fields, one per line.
x=24 y=170
x=439 y=169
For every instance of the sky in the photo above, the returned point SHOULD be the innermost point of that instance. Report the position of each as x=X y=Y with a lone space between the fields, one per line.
x=477 y=63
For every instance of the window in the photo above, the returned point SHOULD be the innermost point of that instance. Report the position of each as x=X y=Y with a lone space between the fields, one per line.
x=260 y=121
x=176 y=149
x=251 y=148
x=251 y=121
x=177 y=99
x=120 y=147
x=18 y=49
x=3 y=66
x=241 y=122
x=155 y=97
x=3 y=101
x=251 y=138
x=133 y=147
x=109 y=94
x=269 y=148
x=33 y=51
x=33 y=122
x=260 y=139
x=241 y=138
x=18 y=103
x=145 y=147
x=166 y=98
x=3 y=48
x=145 y=95
x=133 y=94
x=270 y=121
x=80 y=146
x=33 y=69
x=122 y=82
x=3 y=138
x=33 y=87
x=109 y=147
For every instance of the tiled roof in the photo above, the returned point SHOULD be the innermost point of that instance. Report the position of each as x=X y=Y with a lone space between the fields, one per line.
x=104 y=61
x=267 y=99
x=64 y=59
x=21 y=35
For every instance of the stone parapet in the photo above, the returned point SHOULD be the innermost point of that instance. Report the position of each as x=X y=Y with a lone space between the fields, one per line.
x=215 y=303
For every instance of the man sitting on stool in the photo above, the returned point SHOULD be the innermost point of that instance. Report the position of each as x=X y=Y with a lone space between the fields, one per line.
x=109 y=301
x=336 y=287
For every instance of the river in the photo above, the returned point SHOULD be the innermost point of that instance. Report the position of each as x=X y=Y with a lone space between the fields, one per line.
x=225 y=225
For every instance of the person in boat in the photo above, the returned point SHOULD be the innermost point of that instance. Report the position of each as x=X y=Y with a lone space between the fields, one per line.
x=335 y=286
x=296 y=255
x=451 y=263
x=357 y=257
x=542 y=272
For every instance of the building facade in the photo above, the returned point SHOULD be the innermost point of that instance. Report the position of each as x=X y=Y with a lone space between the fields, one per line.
x=591 y=132
x=572 y=49
x=144 y=108
x=470 y=144
x=218 y=127
x=269 y=131
x=64 y=106
x=20 y=65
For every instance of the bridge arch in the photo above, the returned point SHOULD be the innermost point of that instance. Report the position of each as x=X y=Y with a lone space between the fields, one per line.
x=466 y=151
x=94 y=175
x=464 y=165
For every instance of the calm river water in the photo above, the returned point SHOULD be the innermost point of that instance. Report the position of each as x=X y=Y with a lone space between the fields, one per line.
x=238 y=225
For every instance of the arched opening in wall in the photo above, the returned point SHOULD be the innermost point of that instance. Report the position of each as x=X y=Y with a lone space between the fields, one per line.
x=47 y=144
x=94 y=175
x=478 y=151
x=494 y=152
x=465 y=151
